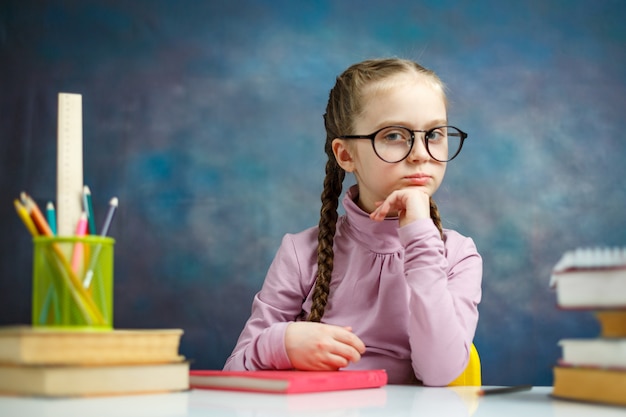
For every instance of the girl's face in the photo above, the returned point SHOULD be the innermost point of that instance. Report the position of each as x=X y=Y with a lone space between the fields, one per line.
x=407 y=100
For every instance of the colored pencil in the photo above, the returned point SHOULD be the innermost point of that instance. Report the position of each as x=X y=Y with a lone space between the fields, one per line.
x=25 y=216
x=52 y=217
x=77 y=255
x=88 y=207
x=107 y=221
x=36 y=215
x=96 y=253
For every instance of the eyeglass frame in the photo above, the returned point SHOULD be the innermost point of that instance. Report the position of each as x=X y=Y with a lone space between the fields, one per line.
x=372 y=138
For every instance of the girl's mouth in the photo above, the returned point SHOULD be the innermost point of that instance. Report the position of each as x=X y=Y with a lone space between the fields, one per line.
x=418 y=179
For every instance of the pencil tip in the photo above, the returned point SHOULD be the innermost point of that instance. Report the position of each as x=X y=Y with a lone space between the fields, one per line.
x=26 y=200
x=86 y=189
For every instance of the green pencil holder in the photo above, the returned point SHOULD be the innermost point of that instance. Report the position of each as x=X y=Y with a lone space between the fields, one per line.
x=73 y=282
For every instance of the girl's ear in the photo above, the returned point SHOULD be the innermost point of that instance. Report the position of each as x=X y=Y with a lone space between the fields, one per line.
x=343 y=154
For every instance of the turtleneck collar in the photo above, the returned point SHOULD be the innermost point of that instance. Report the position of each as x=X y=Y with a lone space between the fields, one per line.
x=379 y=237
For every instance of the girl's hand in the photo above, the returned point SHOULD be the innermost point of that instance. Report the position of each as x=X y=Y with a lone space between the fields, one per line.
x=321 y=347
x=410 y=203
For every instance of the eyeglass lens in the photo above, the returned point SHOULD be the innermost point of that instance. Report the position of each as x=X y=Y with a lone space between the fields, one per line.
x=393 y=144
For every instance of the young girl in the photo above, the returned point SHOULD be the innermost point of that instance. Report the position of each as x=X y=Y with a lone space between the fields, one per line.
x=383 y=286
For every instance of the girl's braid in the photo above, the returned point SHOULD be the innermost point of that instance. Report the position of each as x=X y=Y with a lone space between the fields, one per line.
x=326 y=235
x=434 y=215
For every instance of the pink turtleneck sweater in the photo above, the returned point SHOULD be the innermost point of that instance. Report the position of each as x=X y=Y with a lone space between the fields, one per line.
x=411 y=297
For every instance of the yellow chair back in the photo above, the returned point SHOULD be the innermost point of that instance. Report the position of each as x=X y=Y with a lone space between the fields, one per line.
x=471 y=375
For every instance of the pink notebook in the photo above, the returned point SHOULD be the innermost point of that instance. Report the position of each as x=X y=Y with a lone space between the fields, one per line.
x=287 y=382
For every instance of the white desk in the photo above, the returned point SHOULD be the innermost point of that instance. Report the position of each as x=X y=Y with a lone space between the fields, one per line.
x=389 y=401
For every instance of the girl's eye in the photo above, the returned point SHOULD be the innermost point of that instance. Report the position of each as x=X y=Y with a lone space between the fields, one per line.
x=435 y=135
x=391 y=136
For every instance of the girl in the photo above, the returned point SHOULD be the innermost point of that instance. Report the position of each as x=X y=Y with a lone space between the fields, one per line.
x=383 y=286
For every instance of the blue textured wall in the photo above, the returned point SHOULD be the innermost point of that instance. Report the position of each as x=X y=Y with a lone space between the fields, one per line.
x=205 y=119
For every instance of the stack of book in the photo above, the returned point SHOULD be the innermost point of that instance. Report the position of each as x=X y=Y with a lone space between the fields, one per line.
x=593 y=369
x=67 y=363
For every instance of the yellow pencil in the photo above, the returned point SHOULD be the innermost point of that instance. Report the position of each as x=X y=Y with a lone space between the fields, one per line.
x=23 y=213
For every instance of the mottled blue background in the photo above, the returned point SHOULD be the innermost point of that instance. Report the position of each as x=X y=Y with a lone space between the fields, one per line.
x=205 y=119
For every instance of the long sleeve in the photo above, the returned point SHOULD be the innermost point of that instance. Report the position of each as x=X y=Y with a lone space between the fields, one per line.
x=445 y=289
x=261 y=343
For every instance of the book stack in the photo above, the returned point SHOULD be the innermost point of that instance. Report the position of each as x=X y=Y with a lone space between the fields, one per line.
x=593 y=369
x=67 y=363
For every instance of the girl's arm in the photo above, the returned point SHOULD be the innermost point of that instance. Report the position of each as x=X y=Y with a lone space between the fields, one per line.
x=445 y=289
x=271 y=339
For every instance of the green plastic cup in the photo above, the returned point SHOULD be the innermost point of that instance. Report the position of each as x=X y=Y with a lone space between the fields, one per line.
x=73 y=282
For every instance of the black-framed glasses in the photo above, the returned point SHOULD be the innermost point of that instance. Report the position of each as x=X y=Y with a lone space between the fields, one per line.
x=394 y=143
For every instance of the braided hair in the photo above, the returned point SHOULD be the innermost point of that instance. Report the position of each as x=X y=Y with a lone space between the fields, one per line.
x=345 y=103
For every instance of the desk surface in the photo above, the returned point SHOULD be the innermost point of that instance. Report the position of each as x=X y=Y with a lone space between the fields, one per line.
x=388 y=401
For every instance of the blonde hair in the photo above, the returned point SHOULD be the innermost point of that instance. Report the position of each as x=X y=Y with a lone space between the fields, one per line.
x=345 y=103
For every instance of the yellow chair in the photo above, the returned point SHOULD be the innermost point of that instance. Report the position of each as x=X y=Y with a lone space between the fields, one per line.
x=471 y=375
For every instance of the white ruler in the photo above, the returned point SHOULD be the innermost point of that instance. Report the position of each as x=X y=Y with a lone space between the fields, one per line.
x=69 y=163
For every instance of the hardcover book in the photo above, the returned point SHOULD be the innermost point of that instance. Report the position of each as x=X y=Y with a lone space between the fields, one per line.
x=612 y=322
x=591 y=278
x=287 y=382
x=72 y=381
x=605 y=386
x=29 y=345
x=600 y=352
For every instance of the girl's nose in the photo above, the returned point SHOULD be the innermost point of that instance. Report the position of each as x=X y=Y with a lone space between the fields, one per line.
x=419 y=152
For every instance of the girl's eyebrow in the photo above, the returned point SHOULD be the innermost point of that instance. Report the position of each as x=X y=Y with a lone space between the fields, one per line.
x=430 y=125
x=440 y=122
